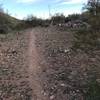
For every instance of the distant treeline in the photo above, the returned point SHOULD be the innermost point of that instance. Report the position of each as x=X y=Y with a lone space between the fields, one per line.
x=90 y=15
x=57 y=19
x=8 y=23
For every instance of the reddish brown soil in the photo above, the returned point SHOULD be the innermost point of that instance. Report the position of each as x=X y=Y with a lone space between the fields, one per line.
x=38 y=64
x=19 y=68
x=34 y=68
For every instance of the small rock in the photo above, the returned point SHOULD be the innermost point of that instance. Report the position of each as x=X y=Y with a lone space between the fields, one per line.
x=52 y=97
x=63 y=85
x=98 y=80
x=0 y=93
x=77 y=91
x=74 y=73
x=70 y=77
x=93 y=59
x=44 y=93
x=14 y=52
x=67 y=50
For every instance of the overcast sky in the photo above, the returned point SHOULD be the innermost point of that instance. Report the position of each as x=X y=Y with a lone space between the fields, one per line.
x=40 y=8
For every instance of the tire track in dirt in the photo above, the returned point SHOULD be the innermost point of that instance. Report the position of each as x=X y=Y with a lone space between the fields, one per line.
x=34 y=69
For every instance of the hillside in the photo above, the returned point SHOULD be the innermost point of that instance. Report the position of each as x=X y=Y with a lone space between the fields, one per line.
x=7 y=22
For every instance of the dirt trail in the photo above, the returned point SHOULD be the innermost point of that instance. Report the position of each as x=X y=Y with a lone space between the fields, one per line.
x=34 y=65
x=34 y=69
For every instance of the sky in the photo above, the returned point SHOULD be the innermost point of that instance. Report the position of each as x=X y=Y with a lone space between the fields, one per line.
x=41 y=8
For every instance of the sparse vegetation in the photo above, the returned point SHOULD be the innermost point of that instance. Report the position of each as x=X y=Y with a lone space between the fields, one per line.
x=88 y=39
x=7 y=23
x=58 y=19
x=93 y=91
x=65 y=72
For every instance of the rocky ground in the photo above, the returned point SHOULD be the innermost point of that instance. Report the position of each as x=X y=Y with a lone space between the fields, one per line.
x=66 y=74
x=14 y=83
x=61 y=74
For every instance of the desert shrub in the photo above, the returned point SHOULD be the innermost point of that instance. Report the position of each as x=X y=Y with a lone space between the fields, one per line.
x=7 y=23
x=4 y=29
x=93 y=91
x=74 y=17
x=32 y=21
x=58 y=18
x=86 y=40
x=89 y=39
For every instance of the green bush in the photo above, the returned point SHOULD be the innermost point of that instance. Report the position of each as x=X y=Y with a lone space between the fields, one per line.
x=86 y=40
x=93 y=91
